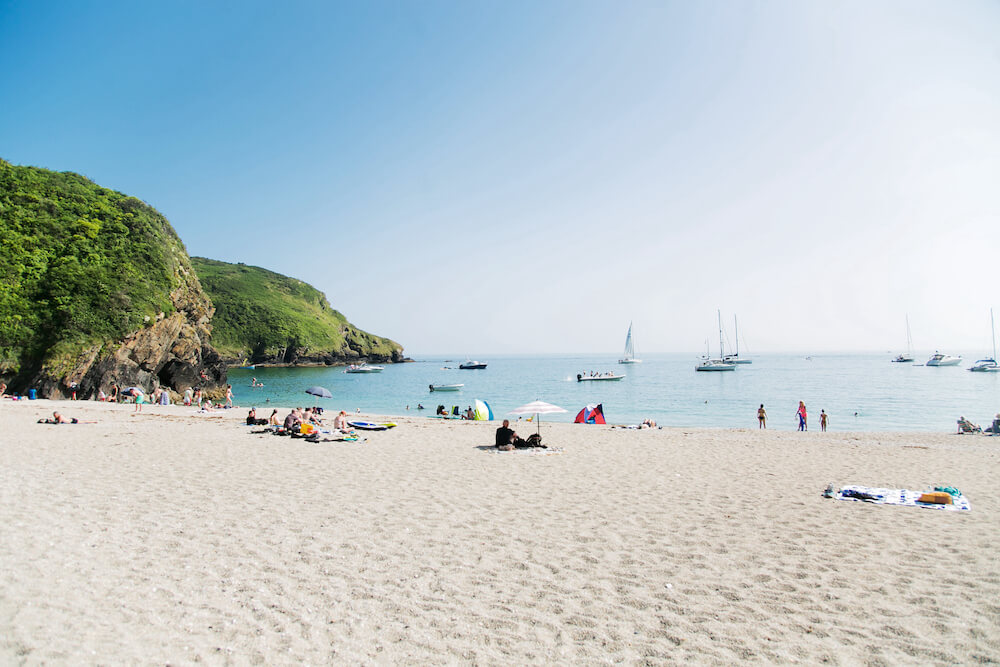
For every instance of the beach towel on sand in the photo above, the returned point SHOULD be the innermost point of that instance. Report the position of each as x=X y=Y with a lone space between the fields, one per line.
x=526 y=451
x=906 y=497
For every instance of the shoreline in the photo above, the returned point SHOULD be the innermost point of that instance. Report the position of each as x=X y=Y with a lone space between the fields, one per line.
x=170 y=535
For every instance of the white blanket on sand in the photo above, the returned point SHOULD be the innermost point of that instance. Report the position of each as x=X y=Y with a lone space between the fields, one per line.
x=900 y=497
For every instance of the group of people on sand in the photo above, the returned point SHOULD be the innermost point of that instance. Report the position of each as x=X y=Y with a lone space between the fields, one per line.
x=966 y=426
x=297 y=417
x=801 y=413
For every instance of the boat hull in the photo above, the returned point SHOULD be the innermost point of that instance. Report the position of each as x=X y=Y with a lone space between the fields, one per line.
x=715 y=365
x=630 y=361
x=472 y=367
x=943 y=360
x=985 y=366
x=598 y=378
x=446 y=387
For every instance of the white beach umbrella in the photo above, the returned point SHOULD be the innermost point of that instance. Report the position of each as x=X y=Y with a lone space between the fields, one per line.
x=537 y=408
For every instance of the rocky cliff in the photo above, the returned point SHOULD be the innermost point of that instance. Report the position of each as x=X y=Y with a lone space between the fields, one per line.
x=95 y=288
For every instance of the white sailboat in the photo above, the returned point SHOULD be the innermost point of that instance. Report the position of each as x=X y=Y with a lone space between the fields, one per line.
x=719 y=364
x=988 y=365
x=629 y=356
x=735 y=357
x=909 y=345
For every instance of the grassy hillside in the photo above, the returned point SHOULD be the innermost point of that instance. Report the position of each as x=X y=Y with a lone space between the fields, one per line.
x=265 y=316
x=79 y=265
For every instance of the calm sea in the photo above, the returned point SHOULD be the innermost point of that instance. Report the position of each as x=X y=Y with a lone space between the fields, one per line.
x=858 y=391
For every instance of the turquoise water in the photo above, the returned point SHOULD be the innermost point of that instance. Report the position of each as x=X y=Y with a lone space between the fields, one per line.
x=859 y=392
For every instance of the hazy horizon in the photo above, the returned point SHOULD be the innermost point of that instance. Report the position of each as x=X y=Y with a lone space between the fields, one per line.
x=530 y=177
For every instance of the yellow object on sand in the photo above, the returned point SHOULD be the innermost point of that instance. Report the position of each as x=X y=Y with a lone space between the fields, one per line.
x=936 y=497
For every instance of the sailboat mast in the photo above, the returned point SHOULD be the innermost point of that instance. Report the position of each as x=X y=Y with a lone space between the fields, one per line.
x=993 y=335
x=721 y=351
x=736 y=329
x=909 y=338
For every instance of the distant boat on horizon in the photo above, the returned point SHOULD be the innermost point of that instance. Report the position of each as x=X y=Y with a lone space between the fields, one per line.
x=908 y=357
x=719 y=364
x=940 y=359
x=735 y=357
x=629 y=356
x=988 y=365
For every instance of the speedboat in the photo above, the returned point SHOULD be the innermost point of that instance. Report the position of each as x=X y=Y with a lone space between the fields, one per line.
x=940 y=359
x=363 y=368
x=715 y=365
x=903 y=358
x=472 y=365
x=580 y=377
x=445 y=387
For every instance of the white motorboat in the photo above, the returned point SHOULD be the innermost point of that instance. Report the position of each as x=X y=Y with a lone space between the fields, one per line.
x=446 y=387
x=735 y=357
x=629 y=356
x=908 y=357
x=580 y=377
x=719 y=364
x=940 y=359
x=363 y=368
x=988 y=365
x=715 y=365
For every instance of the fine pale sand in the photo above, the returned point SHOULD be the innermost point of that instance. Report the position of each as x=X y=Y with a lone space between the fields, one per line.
x=170 y=537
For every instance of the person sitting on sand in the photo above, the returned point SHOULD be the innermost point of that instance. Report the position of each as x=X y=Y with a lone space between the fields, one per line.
x=648 y=423
x=59 y=419
x=340 y=421
x=3 y=389
x=274 y=420
x=293 y=421
x=252 y=419
x=505 y=436
x=965 y=426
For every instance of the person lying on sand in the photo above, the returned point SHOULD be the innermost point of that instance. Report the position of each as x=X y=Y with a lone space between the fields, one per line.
x=59 y=419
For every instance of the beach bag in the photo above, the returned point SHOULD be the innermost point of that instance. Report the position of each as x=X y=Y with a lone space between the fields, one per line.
x=534 y=440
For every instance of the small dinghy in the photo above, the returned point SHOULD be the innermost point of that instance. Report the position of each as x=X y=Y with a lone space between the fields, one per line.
x=445 y=387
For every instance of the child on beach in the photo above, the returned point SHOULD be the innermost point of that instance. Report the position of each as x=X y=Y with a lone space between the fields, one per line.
x=803 y=417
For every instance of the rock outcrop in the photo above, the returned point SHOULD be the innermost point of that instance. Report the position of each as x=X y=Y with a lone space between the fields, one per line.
x=96 y=288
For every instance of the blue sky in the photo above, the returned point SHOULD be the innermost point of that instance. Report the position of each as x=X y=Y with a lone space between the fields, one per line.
x=484 y=177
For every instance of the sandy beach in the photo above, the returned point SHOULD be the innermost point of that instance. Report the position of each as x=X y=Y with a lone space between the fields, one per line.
x=176 y=537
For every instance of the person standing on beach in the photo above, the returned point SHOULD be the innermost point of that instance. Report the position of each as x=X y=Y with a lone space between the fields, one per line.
x=822 y=420
x=761 y=417
x=803 y=417
x=229 y=395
